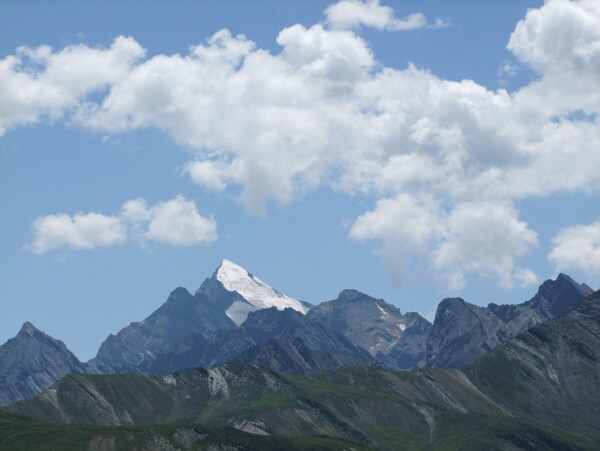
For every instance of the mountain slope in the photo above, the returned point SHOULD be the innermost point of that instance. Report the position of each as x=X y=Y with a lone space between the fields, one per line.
x=289 y=356
x=135 y=347
x=18 y=433
x=550 y=372
x=553 y=297
x=461 y=331
x=378 y=327
x=222 y=302
x=31 y=362
x=260 y=327
x=533 y=392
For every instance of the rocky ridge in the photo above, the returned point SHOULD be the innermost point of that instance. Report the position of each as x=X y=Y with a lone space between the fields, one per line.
x=31 y=362
x=533 y=392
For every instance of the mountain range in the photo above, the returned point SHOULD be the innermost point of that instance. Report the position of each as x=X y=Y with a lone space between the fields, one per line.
x=535 y=391
x=235 y=316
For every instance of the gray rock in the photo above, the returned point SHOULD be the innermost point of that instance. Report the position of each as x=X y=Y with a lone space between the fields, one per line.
x=136 y=346
x=536 y=391
x=290 y=356
x=462 y=332
x=551 y=371
x=262 y=326
x=396 y=339
x=31 y=362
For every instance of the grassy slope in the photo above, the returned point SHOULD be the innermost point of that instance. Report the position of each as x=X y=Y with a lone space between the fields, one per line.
x=420 y=410
x=20 y=433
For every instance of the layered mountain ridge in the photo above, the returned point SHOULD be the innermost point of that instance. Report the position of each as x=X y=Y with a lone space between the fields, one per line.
x=262 y=327
x=136 y=346
x=396 y=339
x=461 y=331
x=532 y=392
x=285 y=334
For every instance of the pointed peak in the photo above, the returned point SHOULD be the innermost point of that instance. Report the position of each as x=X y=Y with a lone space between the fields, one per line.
x=180 y=291
x=456 y=304
x=563 y=280
x=225 y=264
x=254 y=291
x=350 y=295
x=229 y=270
x=28 y=328
x=563 y=276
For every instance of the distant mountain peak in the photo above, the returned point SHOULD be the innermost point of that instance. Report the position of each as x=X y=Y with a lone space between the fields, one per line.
x=555 y=296
x=28 y=328
x=351 y=295
x=453 y=303
x=256 y=292
x=31 y=362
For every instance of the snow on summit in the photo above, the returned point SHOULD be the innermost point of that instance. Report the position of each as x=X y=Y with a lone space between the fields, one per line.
x=254 y=290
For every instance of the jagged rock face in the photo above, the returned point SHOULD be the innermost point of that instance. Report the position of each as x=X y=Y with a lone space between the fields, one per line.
x=462 y=332
x=135 y=347
x=195 y=351
x=268 y=324
x=551 y=370
x=549 y=374
x=31 y=362
x=409 y=352
x=260 y=327
x=378 y=327
x=552 y=298
x=290 y=356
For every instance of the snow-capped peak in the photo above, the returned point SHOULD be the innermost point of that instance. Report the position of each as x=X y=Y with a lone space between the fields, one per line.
x=255 y=291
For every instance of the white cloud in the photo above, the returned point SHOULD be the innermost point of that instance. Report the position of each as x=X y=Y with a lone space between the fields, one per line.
x=324 y=113
x=482 y=238
x=214 y=175
x=561 y=41
x=578 y=248
x=401 y=222
x=349 y=14
x=81 y=231
x=176 y=222
x=39 y=82
x=486 y=239
x=561 y=36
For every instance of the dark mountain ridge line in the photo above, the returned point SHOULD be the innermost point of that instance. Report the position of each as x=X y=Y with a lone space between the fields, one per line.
x=377 y=408
x=190 y=330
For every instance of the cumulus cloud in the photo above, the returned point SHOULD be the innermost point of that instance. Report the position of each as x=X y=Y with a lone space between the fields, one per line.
x=401 y=222
x=349 y=14
x=81 y=231
x=38 y=82
x=578 y=248
x=561 y=36
x=176 y=222
x=482 y=238
x=435 y=155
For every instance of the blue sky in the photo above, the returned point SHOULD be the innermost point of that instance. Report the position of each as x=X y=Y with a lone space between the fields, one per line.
x=413 y=150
